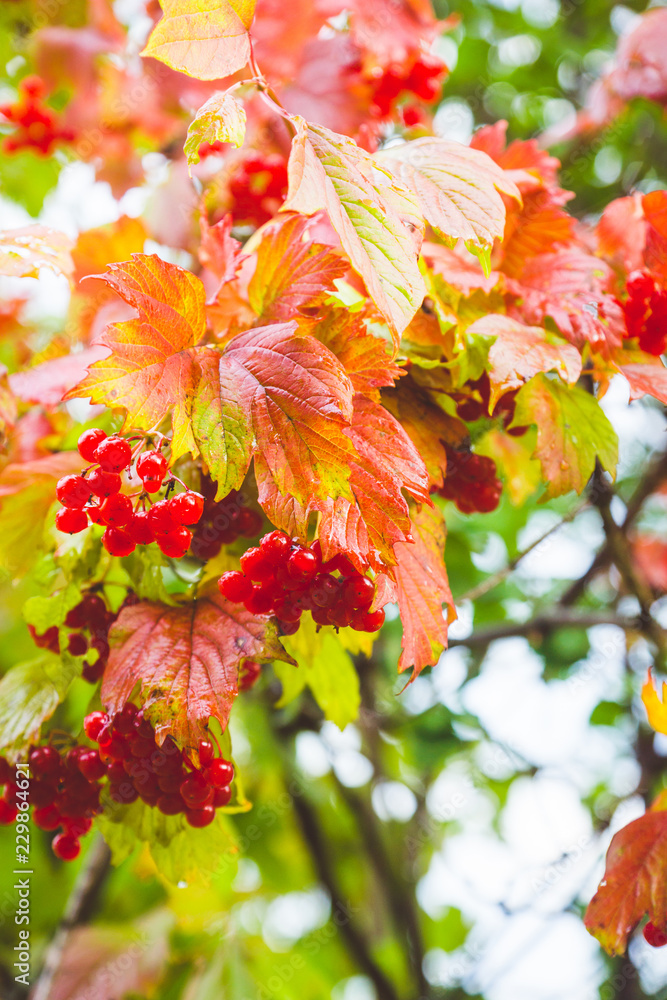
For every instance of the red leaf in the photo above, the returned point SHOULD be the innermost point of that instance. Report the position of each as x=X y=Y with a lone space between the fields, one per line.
x=47 y=383
x=151 y=371
x=655 y=213
x=186 y=661
x=293 y=274
x=284 y=397
x=650 y=554
x=634 y=883
x=423 y=588
x=621 y=233
x=364 y=357
x=646 y=379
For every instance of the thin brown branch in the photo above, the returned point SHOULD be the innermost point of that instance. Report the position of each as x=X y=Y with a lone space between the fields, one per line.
x=78 y=908
x=545 y=622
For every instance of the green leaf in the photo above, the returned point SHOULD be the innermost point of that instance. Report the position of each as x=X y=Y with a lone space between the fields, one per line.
x=180 y=852
x=45 y=612
x=324 y=667
x=29 y=694
x=572 y=431
x=377 y=219
x=221 y=119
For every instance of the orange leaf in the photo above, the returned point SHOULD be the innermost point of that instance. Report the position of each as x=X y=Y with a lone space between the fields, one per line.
x=634 y=883
x=423 y=588
x=186 y=661
x=621 y=233
x=646 y=379
x=293 y=273
x=284 y=397
x=203 y=39
x=364 y=357
x=656 y=708
x=151 y=370
x=519 y=352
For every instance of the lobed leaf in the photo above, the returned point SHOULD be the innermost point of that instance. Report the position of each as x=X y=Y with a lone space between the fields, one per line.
x=206 y=39
x=221 y=119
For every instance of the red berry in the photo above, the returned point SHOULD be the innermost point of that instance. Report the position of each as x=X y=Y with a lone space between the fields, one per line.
x=47 y=817
x=302 y=565
x=114 y=454
x=44 y=762
x=249 y=522
x=206 y=752
x=6 y=771
x=234 y=586
x=78 y=827
x=187 y=508
x=257 y=564
x=88 y=443
x=77 y=644
x=66 y=847
x=7 y=813
x=200 y=817
x=117 y=542
x=196 y=791
x=103 y=484
x=95 y=515
x=124 y=720
x=71 y=521
x=358 y=592
x=139 y=528
x=170 y=804
x=276 y=546
x=220 y=772
x=640 y=285
x=116 y=510
x=251 y=670
x=260 y=602
x=222 y=797
x=341 y=563
x=73 y=491
x=161 y=518
x=94 y=723
x=91 y=766
x=175 y=543
x=368 y=621
x=152 y=485
x=151 y=465
x=654 y=936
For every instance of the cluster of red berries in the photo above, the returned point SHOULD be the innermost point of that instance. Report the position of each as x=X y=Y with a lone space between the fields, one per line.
x=64 y=793
x=37 y=126
x=281 y=577
x=90 y=622
x=654 y=936
x=164 y=777
x=258 y=188
x=423 y=79
x=222 y=522
x=95 y=495
x=471 y=482
x=646 y=312
x=475 y=404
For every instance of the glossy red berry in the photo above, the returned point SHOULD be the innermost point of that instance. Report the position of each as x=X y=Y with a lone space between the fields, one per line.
x=276 y=546
x=44 y=762
x=200 y=817
x=234 y=586
x=654 y=936
x=196 y=791
x=358 y=592
x=220 y=772
x=259 y=602
x=302 y=565
x=116 y=510
x=66 y=847
x=187 y=508
x=257 y=564
x=152 y=465
x=95 y=515
x=77 y=644
x=47 y=817
x=222 y=797
x=114 y=454
x=8 y=813
x=88 y=443
x=94 y=723
x=175 y=543
x=161 y=518
x=369 y=621
x=139 y=528
x=73 y=491
x=70 y=520
x=91 y=766
x=103 y=484
x=152 y=485
x=206 y=752
x=117 y=542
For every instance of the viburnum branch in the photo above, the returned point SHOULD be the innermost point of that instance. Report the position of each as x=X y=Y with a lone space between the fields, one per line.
x=547 y=621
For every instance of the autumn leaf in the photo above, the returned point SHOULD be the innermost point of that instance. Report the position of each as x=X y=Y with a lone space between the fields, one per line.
x=634 y=883
x=221 y=119
x=151 y=371
x=655 y=212
x=378 y=515
x=376 y=218
x=644 y=379
x=207 y=40
x=422 y=589
x=364 y=356
x=47 y=383
x=518 y=352
x=656 y=707
x=29 y=695
x=185 y=661
x=572 y=431
x=293 y=273
x=458 y=189
x=24 y=251
x=621 y=233
x=520 y=473
x=283 y=397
